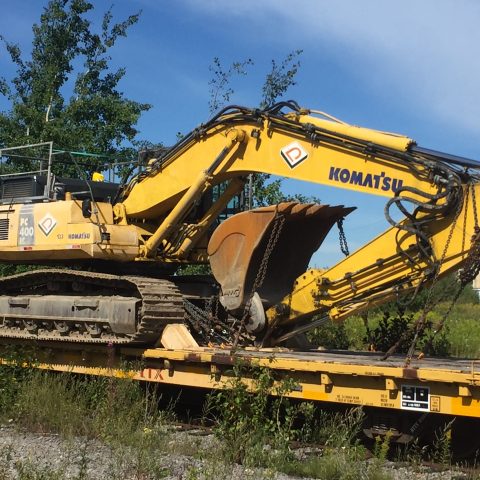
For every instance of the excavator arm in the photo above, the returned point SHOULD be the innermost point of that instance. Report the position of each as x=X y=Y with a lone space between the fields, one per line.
x=392 y=266
x=168 y=215
x=434 y=192
x=295 y=145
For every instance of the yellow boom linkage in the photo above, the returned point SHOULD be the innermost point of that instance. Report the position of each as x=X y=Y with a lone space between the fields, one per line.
x=260 y=257
x=329 y=152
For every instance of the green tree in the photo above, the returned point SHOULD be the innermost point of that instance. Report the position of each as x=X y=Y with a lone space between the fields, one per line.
x=280 y=78
x=220 y=83
x=51 y=100
x=277 y=82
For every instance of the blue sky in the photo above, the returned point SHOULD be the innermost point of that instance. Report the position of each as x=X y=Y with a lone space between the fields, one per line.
x=410 y=67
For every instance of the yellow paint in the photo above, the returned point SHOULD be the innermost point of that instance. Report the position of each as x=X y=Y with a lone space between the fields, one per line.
x=331 y=291
x=317 y=380
x=58 y=230
x=155 y=212
x=156 y=194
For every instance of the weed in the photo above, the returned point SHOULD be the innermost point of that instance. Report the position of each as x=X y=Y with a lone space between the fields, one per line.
x=339 y=430
x=255 y=430
x=382 y=446
x=212 y=469
x=390 y=330
x=5 y=460
x=51 y=403
x=26 y=470
x=193 y=473
x=119 y=412
x=442 y=446
x=13 y=375
x=254 y=423
x=337 y=465
x=413 y=453
x=82 y=463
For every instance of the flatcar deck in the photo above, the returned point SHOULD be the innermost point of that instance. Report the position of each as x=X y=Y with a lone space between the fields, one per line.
x=429 y=385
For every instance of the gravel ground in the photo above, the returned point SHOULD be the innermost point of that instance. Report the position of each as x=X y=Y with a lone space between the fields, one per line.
x=51 y=457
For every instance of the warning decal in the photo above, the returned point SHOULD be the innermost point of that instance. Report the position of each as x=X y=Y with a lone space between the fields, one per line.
x=415 y=398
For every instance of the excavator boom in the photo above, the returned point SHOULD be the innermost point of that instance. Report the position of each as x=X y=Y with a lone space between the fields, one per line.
x=173 y=213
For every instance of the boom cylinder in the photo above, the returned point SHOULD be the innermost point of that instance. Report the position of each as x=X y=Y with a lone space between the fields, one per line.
x=202 y=183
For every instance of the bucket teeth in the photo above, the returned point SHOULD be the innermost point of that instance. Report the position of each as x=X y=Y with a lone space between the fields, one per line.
x=237 y=248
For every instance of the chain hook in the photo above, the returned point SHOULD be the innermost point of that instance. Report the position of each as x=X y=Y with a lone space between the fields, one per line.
x=342 y=238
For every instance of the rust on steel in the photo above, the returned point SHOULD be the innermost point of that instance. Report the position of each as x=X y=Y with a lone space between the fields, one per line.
x=410 y=373
x=237 y=246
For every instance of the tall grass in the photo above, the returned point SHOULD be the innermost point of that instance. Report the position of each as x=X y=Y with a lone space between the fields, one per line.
x=257 y=430
x=253 y=432
x=460 y=336
x=463 y=330
x=120 y=413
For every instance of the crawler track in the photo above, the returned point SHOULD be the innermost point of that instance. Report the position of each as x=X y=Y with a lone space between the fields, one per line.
x=155 y=303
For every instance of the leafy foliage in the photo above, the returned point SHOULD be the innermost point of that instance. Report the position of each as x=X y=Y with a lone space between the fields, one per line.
x=444 y=290
x=280 y=79
x=277 y=82
x=390 y=330
x=398 y=322
x=330 y=335
x=220 y=84
x=380 y=328
x=96 y=117
x=248 y=419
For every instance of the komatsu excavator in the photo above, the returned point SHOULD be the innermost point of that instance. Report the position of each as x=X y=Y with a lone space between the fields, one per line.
x=119 y=247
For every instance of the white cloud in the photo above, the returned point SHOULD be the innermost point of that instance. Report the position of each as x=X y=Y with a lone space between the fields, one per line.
x=424 y=52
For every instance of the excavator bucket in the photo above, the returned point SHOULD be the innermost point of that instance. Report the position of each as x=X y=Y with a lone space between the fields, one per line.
x=240 y=245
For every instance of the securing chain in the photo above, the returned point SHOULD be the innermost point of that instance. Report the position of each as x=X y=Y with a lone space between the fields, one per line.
x=206 y=322
x=200 y=320
x=420 y=323
x=272 y=241
x=468 y=273
x=209 y=327
x=465 y=276
x=470 y=269
x=474 y=200
x=278 y=223
x=342 y=238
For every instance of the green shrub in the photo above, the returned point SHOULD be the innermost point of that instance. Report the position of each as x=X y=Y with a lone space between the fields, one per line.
x=255 y=429
x=330 y=335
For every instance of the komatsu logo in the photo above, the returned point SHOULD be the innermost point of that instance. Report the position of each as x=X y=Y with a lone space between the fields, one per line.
x=78 y=236
x=379 y=182
x=293 y=154
x=47 y=224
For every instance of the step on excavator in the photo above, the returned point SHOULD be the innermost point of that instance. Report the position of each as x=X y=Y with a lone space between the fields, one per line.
x=110 y=252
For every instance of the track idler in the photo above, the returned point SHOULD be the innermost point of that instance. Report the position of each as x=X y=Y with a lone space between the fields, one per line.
x=274 y=243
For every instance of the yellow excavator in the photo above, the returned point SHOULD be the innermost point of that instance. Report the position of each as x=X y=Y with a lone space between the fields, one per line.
x=119 y=247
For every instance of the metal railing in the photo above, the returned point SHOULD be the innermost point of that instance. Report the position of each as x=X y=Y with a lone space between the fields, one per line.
x=42 y=161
